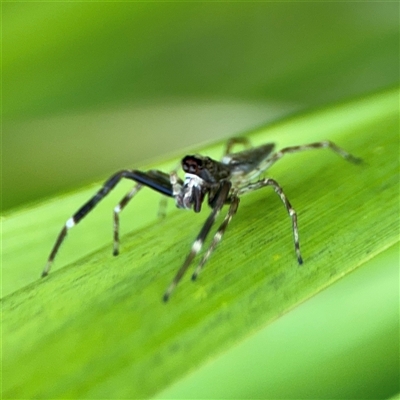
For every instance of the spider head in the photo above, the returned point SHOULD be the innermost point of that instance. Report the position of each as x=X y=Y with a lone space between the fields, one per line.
x=191 y=193
x=209 y=170
x=202 y=176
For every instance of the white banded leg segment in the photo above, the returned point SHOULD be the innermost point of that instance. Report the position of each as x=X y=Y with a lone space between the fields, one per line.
x=292 y=213
x=121 y=205
x=68 y=225
x=196 y=247
x=218 y=235
x=221 y=198
x=326 y=144
x=81 y=213
x=343 y=153
x=176 y=186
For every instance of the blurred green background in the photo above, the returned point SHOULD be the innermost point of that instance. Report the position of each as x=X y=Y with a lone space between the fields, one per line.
x=91 y=87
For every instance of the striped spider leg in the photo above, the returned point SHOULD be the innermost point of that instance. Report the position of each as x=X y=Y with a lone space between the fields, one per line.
x=156 y=180
x=239 y=169
x=153 y=177
x=221 y=182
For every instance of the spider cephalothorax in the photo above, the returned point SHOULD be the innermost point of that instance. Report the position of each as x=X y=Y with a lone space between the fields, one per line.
x=206 y=168
x=203 y=176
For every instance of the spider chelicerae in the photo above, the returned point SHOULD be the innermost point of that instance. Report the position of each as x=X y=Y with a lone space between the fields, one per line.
x=222 y=182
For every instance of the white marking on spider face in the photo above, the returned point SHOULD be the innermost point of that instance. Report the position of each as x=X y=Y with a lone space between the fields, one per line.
x=192 y=180
x=184 y=198
x=70 y=223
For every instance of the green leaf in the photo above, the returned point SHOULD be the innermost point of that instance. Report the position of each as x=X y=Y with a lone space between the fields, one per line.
x=97 y=327
x=348 y=333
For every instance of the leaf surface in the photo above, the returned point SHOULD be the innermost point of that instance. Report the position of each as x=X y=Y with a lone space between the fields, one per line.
x=97 y=327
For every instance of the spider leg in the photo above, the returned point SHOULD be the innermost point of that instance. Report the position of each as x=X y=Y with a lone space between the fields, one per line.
x=121 y=205
x=326 y=144
x=176 y=183
x=219 y=202
x=236 y=140
x=218 y=235
x=153 y=179
x=153 y=174
x=292 y=213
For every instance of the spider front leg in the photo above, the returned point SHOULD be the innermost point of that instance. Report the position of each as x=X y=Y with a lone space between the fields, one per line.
x=236 y=140
x=124 y=202
x=219 y=202
x=292 y=213
x=218 y=235
x=153 y=179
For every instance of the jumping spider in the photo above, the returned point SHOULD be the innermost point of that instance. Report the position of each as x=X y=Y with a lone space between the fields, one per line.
x=223 y=182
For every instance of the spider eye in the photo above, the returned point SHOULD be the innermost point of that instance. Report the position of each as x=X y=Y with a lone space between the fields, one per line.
x=192 y=165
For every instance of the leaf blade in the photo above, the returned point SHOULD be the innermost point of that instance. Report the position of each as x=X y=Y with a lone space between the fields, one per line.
x=85 y=336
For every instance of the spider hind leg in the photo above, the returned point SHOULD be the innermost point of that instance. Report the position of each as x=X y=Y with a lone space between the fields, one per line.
x=292 y=213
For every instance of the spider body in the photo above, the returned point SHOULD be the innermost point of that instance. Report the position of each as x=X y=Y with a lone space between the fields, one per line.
x=221 y=182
